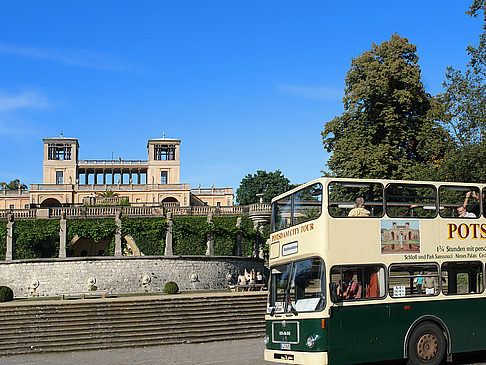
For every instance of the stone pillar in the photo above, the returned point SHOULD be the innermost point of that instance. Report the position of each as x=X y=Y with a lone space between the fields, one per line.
x=118 y=245
x=210 y=241
x=62 y=235
x=168 y=236
x=238 y=237
x=104 y=177
x=256 y=245
x=10 y=237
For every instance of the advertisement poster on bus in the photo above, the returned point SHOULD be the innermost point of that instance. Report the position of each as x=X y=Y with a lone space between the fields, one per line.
x=400 y=236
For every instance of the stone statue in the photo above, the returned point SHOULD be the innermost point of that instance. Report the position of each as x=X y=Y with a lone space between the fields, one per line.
x=118 y=222
x=210 y=238
x=62 y=235
x=238 y=222
x=168 y=236
x=10 y=237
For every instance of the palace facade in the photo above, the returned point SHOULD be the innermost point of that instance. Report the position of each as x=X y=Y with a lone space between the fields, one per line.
x=67 y=180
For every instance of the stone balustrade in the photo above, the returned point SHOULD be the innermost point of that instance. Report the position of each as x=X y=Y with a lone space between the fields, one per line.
x=263 y=210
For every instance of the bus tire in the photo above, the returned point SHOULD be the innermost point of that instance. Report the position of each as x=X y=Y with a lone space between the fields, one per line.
x=427 y=345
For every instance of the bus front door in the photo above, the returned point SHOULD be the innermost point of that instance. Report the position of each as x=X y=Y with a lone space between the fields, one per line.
x=359 y=333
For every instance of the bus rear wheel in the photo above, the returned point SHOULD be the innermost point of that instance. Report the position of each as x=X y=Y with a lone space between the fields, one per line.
x=427 y=345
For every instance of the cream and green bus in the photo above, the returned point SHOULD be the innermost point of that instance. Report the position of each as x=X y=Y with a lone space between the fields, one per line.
x=372 y=270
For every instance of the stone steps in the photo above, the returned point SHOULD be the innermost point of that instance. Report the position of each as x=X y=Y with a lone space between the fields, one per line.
x=72 y=325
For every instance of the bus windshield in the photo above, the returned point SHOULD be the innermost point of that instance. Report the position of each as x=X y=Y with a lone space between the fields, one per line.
x=297 y=286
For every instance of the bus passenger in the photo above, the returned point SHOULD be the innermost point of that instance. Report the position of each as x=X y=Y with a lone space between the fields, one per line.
x=358 y=210
x=419 y=282
x=463 y=213
x=472 y=207
x=429 y=285
x=348 y=289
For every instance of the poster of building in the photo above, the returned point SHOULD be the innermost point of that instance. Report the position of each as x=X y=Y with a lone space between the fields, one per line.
x=399 y=236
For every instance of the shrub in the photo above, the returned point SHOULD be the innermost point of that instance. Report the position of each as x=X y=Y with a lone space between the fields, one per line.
x=6 y=294
x=171 y=288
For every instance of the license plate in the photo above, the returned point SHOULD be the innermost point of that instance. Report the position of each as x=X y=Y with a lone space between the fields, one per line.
x=285 y=346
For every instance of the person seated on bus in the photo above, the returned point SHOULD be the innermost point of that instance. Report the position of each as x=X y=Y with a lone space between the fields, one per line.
x=348 y=289
x=471 y=203
x=463 y=213
x=358 y=210
x=373 y=289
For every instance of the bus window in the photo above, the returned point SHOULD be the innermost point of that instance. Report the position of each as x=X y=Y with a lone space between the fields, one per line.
x=279 y=280
x=307 y=203
x=302 y=206
x=352 y=199
x=282 y=213
x=297 y=287
x=462 y=277
x=459 y=201
x=411 y=200
x=413 y=280
x=357 y=282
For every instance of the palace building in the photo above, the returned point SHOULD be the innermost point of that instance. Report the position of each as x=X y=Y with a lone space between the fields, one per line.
x=67 y=180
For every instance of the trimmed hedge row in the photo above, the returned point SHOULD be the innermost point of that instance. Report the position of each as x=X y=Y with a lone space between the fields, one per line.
x=40 y=238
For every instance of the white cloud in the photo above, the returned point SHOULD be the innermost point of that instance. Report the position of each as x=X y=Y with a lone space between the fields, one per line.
x=309 y=92
x=22 y=101
x=73 y=57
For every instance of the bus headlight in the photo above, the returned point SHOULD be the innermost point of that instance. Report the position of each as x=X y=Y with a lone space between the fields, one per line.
x=311 y=341
x=266 y=340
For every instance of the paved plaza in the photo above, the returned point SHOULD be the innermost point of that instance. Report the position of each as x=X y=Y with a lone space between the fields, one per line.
x=243 y=352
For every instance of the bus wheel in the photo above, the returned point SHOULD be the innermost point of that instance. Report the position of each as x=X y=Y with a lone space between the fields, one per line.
x=427 y=345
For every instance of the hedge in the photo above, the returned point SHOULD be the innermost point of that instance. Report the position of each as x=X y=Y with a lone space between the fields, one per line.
x=40 y=238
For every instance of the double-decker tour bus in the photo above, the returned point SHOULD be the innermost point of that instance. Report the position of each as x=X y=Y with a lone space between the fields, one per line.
x=371 y=270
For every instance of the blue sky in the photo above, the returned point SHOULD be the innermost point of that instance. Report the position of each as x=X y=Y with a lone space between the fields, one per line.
x=246 y=85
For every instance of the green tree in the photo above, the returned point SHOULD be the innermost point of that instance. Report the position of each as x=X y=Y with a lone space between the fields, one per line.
x=14 y=185
x=464 y=112
x=269 y=183
x=387 y=129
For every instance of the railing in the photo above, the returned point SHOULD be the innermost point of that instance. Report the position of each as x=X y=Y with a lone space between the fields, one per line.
x=260 y=208
x=145 y=211
x=139 y=187
x=112 y=162
x=19 y=213
x=14 y=192
x=51 y=187
x=212 y=191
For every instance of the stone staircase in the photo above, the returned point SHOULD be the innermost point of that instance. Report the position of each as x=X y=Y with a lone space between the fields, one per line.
x=86 y=324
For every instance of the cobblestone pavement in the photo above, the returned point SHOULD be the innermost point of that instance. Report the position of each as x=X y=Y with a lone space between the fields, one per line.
x=243 y=352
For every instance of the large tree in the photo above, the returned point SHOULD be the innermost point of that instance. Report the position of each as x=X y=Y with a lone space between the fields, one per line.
x=269 y=183
x=387 y=129
x=464 y=105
